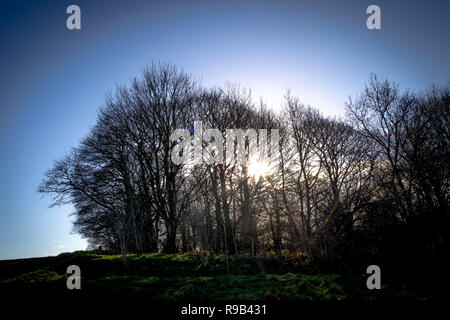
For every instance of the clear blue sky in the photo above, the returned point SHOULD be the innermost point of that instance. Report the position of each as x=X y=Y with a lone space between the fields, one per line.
x=52 y=80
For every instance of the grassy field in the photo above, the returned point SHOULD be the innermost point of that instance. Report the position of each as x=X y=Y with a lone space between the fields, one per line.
x=189 y=276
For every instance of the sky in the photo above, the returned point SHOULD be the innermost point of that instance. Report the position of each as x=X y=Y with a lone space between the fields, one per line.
x=53 y=80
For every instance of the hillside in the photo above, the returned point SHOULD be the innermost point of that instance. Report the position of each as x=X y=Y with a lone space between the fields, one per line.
x=188 y=277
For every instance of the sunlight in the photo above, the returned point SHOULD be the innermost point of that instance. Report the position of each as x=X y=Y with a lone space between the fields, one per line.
x=258 y=168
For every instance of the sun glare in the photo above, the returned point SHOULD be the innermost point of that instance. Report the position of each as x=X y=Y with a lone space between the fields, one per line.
x=258 y=169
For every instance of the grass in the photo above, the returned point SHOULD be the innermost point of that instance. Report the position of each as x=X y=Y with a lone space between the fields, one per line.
x=160 y=276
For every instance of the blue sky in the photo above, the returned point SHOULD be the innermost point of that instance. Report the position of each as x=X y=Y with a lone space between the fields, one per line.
x=53 y=80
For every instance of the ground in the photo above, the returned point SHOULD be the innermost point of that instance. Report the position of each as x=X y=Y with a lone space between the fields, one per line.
x=158 y=276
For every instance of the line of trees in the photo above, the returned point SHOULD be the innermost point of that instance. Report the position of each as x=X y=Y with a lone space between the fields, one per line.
x=374 y=185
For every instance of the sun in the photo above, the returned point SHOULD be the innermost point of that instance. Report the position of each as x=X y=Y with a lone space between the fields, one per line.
x=258 y=168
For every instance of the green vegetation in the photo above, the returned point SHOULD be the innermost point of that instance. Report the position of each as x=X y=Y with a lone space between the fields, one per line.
x=188 y=276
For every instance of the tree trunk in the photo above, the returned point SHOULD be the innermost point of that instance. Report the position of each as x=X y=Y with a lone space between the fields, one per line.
x=171 y=237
